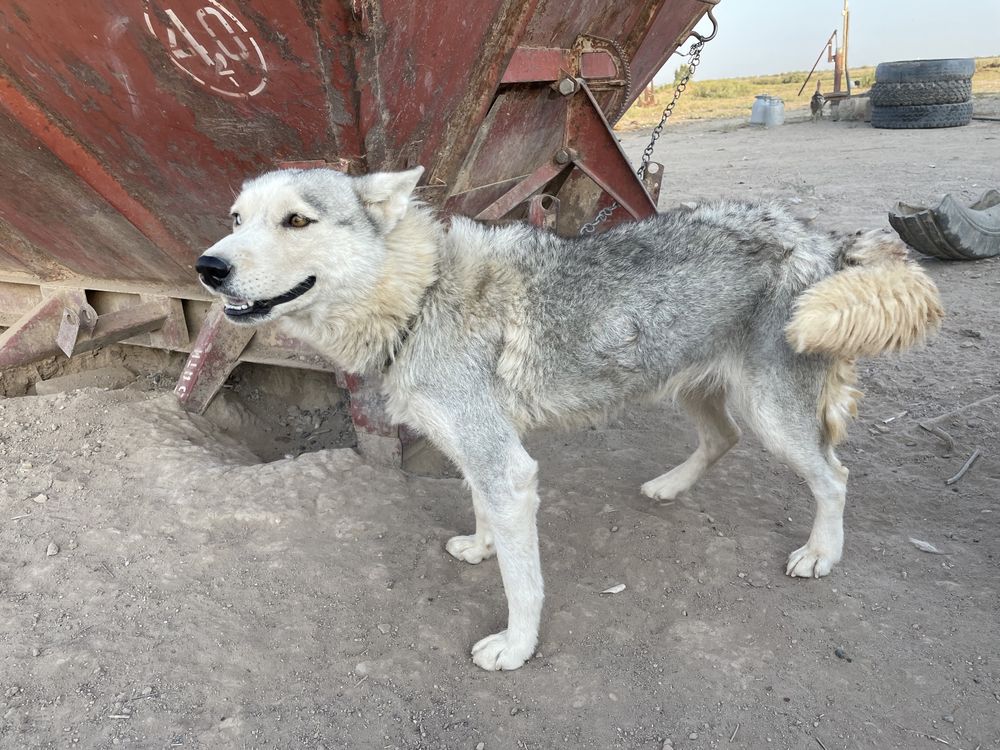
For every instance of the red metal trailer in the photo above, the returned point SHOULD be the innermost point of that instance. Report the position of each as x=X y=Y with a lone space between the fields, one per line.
x=125 y=127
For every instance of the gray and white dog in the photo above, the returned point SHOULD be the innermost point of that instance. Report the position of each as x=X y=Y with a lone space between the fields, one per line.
x=483 y=332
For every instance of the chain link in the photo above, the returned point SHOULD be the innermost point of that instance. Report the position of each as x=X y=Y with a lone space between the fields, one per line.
x=694 y=56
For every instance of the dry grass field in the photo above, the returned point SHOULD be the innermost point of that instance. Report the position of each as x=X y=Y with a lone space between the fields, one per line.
x=733 y=97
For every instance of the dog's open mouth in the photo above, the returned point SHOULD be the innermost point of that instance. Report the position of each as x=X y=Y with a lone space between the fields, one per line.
x=241 y=308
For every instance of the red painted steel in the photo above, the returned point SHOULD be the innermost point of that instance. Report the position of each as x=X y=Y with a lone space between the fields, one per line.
x=215 y=354
x=71 y=153
x=127 y=126
x=533 y=64
x=33 y=337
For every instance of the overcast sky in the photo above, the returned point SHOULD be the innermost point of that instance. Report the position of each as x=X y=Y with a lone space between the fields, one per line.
x=773 y=36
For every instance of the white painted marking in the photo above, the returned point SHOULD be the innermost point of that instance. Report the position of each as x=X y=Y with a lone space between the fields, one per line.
x=214 y=48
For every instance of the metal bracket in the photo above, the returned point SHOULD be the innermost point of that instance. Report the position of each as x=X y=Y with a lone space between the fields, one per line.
x=543 y=210
x=215 y=354
x=599 y=155
x=73 y=321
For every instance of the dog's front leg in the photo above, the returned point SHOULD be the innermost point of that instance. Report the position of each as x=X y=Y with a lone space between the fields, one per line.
x=504 y=479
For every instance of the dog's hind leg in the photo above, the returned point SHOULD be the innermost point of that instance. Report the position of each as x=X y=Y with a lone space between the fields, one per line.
x=784 y=418
x=477 y=547
x=717 y=433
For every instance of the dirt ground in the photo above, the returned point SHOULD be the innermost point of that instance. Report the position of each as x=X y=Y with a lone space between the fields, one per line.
x=220 y=583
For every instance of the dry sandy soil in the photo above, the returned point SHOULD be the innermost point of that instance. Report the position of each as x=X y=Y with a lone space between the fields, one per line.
x=220 y=583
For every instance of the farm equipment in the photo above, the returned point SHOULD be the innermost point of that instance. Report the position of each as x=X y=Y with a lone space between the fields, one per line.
x=126 y=127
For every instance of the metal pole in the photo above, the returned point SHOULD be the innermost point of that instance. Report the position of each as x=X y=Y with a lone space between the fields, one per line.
x=826 y=48
x=847 y=23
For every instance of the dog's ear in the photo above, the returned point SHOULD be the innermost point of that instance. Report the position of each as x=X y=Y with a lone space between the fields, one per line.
x=386 y=195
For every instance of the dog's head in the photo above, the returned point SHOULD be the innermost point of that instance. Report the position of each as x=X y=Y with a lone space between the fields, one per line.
x=300 y=236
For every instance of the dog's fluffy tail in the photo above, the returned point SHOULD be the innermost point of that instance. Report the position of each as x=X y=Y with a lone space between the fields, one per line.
x=878 y=302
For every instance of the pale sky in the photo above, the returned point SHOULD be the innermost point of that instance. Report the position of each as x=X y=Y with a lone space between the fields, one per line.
x=773 y=36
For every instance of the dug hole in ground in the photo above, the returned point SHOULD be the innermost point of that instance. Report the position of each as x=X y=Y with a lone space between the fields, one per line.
x=177 y=581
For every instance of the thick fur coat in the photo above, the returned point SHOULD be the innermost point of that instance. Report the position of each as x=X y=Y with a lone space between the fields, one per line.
x=480 y=333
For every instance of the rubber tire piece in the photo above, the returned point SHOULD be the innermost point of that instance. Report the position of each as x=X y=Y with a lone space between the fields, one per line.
x=922 y=116
x=908 y=71
x=921 y=92
x=952 y=231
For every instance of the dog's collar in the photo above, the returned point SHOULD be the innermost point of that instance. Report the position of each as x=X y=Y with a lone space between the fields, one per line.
x=404 y=334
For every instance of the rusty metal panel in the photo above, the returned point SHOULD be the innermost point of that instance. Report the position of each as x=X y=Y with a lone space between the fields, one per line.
x=415 y=109
x=177 y=101
x=661 y=36
x=55 y=212
x=127 y=125
x=522 y=131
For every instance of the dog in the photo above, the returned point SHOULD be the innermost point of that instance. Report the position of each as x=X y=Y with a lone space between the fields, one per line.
x=480 y=333
x=816 y=105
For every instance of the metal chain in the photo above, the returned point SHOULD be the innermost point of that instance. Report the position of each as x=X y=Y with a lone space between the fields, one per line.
x=694 y=55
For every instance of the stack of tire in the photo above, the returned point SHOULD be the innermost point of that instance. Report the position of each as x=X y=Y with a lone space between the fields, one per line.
x=923 y=93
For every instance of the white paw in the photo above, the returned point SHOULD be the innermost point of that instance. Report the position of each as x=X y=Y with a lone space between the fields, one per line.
x=665 y=487
x=502 y=651
x=811 y=562
x=472 y=549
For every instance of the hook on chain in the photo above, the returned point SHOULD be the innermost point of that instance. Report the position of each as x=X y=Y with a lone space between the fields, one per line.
x=715 y=29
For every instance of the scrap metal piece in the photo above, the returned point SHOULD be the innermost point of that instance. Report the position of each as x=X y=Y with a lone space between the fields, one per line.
x=64 y=322
x=952 y=231
x=73 y=321
x=543 y=211
x=215 y=354
x=33 y=336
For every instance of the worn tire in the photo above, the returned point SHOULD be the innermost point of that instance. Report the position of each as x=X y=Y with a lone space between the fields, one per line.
x=921 y=92
x=952 y=231
x=922 y=116
x=908 y=71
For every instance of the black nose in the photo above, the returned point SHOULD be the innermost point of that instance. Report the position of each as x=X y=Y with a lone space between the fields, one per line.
x=213 y=270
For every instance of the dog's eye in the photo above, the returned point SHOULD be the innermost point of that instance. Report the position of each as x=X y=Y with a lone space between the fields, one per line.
x=236 y=220
x=297 y=221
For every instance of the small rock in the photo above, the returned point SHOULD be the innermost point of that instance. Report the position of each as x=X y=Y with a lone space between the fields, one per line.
x=148 y=690
x=693 y=736
x=52 y=549
x=481 y=746
x=841 y=654
x=949 y=718
x=72 y=544
x=12 y=691
x=614 y=529
x=40 y=498
x=384 y=628
x=36 y=651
